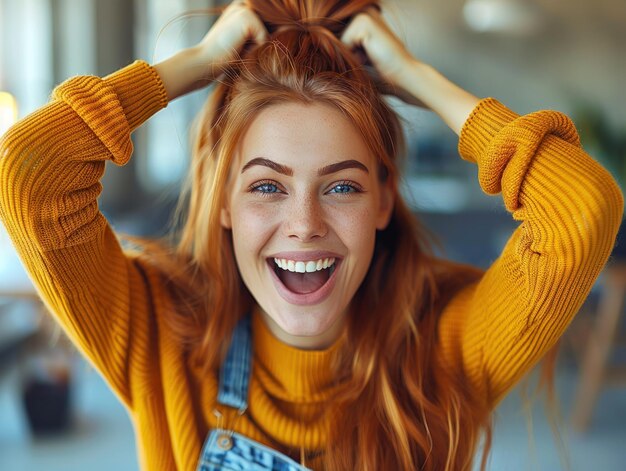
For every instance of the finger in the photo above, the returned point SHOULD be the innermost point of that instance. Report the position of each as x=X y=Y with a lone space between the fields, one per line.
x=260 y=33
x=257 y=32
x=233 y=6
x=358 y=29
x=353 y=34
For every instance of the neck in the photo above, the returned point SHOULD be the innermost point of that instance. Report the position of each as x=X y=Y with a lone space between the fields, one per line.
x=313 y=342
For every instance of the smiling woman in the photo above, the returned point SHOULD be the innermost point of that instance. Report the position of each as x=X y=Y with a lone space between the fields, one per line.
x=301 y=319
x=305 y=205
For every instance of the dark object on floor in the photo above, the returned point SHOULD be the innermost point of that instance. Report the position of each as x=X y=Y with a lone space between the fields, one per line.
x=46 y=396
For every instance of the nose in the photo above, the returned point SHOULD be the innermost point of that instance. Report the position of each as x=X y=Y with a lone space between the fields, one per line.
x=305 y=219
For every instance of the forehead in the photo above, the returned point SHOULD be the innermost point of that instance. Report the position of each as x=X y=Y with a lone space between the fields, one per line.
x=303 y=135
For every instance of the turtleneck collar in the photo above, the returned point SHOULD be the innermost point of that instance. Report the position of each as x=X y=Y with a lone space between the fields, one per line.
x=290 y=373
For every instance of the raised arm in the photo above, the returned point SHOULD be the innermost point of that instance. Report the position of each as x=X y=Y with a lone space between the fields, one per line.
x=51 y=163
x=569 y=209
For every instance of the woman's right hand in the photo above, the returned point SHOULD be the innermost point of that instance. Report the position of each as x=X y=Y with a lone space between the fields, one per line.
x=197 y=66
x=237 y=25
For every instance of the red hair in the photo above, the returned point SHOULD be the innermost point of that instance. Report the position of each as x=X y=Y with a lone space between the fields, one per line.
x=401 y=407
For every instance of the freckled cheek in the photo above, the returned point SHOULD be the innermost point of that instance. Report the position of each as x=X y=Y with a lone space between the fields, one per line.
x=356 y=226
x=252 y=226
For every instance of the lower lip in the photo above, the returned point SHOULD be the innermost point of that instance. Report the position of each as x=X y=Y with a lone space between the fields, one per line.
x=307 y=299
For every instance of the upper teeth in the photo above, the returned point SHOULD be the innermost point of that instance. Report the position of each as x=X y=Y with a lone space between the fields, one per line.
x=302 y=267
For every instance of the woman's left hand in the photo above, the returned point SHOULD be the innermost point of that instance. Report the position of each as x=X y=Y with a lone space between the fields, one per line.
x=368 y=32
x=410 y=79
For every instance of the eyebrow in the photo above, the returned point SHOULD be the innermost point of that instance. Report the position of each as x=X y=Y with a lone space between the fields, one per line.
x=268 y=163
x=328 y=169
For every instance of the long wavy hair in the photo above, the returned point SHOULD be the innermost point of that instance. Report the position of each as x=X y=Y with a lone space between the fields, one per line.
x=421 y=413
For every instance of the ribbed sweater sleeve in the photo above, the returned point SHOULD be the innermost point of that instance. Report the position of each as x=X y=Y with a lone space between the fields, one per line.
x=569 y=208
x=51 y=163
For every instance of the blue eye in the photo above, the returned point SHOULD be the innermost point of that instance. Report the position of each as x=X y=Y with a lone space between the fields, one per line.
x=265 y=188
x=343 y=188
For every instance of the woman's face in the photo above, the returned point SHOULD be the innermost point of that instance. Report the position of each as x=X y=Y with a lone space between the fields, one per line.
x=304 y=202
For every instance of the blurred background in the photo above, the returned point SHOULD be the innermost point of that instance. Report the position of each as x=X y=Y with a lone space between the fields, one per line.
x=55 y=411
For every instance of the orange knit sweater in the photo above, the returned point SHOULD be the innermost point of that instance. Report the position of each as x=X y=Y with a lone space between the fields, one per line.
x=112 y=305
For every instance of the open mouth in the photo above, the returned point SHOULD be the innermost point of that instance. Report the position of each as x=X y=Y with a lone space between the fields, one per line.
x=301 y=277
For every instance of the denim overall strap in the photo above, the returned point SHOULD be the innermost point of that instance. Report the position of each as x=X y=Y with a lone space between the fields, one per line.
x=235 y=370
x=224 y=449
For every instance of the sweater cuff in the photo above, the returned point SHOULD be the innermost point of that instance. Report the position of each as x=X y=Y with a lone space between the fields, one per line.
x=483 y=123
x=139 y=90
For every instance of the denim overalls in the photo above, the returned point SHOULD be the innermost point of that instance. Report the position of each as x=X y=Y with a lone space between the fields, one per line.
x=224 y=449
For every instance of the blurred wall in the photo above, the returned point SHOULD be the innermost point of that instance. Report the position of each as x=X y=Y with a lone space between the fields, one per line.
x=575 y=54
